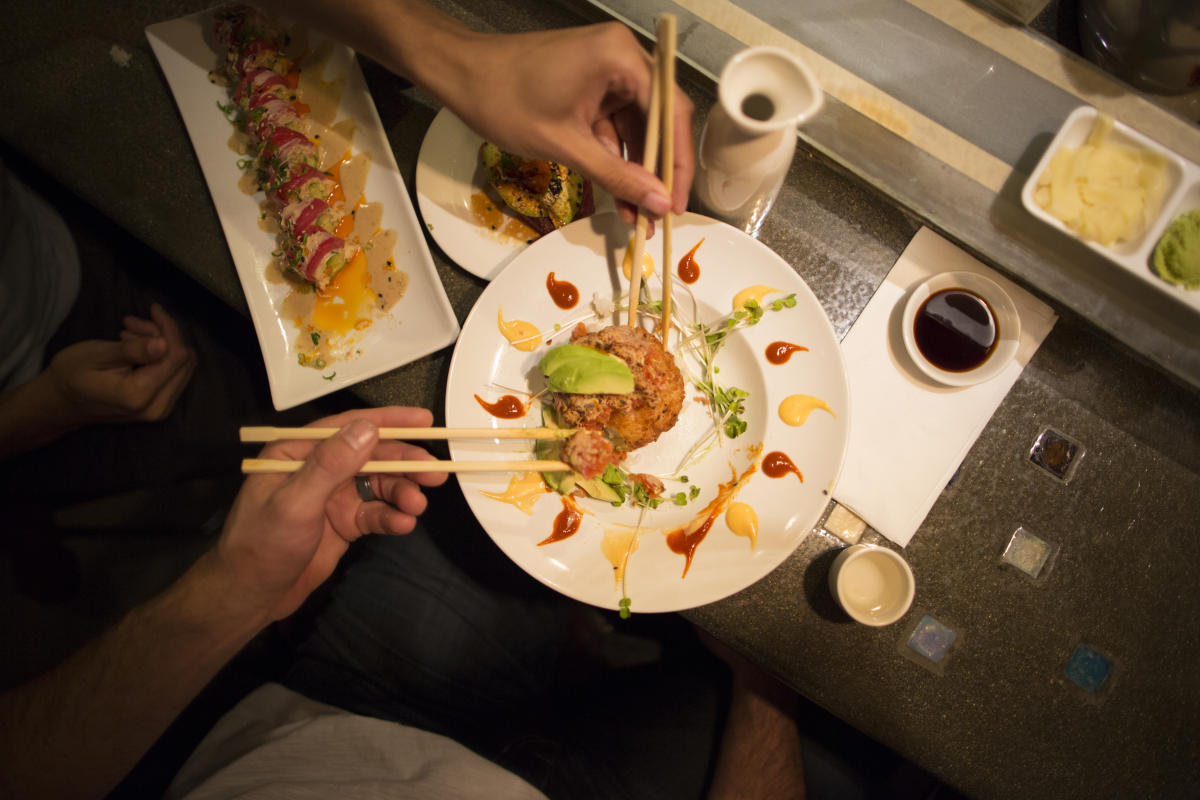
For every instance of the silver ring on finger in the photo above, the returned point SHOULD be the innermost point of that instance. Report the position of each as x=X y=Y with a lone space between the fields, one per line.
x=365 y=491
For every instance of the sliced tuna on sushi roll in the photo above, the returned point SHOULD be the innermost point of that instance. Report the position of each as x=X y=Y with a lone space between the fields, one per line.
x=318 y=257
x=255 y=54
x=285 y=152
x=259 y=83
x=305 y=183
x=269 y=114
x=301 y=218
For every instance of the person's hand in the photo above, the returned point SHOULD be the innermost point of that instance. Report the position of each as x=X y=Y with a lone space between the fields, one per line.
x=286 y=533
x=576 y=96
x=136 y=379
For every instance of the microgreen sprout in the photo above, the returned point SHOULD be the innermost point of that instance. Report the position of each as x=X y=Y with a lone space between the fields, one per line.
x=728 y=403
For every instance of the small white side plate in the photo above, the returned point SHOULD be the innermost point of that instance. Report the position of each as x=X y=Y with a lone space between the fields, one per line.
x=448 y=174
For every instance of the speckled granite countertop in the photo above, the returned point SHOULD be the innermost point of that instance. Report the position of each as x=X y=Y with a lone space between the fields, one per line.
x=998 y=716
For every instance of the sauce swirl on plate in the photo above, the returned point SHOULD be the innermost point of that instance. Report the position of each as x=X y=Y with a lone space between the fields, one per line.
x=777 y=464
x=563 y=293
x=689 y=270
x=781 y=352
x=506 y=407
x=566 y=524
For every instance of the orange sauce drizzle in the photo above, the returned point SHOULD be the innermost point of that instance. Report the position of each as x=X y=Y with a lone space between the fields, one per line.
x=687 y=539
x=487 y=214
x=338 y=307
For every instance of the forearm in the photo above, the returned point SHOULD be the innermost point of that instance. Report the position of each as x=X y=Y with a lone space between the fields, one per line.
x=32 y=415
x=77 y=730
x=409 y=37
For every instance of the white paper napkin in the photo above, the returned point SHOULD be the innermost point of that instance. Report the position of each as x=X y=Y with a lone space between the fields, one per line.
x=907 y=434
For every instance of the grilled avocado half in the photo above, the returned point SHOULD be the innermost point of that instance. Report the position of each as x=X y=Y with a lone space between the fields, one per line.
x=545 y=193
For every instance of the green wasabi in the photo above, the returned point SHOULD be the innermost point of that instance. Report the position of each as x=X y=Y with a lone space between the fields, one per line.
x=1177 y=254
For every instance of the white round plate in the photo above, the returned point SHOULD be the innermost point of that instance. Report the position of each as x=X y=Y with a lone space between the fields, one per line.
x=588 y=254
x=448 y=175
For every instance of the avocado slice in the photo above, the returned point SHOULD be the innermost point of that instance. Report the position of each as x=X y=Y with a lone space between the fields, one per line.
x=566 y=482
x=578 y=369
x=598 y=489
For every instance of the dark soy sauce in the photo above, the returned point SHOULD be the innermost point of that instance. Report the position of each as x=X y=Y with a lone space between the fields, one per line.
x=758 y=106
x=955 y=330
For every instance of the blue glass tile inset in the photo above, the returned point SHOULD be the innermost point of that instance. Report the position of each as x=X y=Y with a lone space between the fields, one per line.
x=1088 y=669
x=931 y=639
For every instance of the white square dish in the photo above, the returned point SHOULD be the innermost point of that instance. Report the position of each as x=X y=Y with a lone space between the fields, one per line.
x=420 y=323
x=1182 y=194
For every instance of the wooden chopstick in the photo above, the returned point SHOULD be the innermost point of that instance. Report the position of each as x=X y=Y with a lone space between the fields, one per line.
x=650 y=162
x=666 y=48
x=261 y=465
x=270 y=434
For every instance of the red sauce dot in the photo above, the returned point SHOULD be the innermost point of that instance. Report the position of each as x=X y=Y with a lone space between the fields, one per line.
x=507 y=407
x=780 y=352
x=566 y=524
x=777 y=464
x=689 y=270
x=563 y=293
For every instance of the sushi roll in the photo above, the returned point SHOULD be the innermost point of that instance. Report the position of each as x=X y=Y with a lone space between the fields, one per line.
x=318 y=257
x=255 y=54
x=301 y=218
x=304 y=183
x=285 y=159
x=236 y=24
x=260 y=83
x=285 y=152
x=269 y=114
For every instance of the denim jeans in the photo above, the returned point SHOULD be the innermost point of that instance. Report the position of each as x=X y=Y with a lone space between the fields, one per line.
x=439 y=630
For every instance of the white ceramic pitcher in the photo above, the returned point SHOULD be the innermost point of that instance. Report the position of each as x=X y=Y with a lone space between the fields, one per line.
x=763 y=96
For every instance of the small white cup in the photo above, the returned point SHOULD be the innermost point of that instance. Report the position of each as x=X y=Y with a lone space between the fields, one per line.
x=874 y=585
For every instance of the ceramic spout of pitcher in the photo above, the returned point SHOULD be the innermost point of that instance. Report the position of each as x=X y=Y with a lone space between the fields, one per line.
x=763 y=96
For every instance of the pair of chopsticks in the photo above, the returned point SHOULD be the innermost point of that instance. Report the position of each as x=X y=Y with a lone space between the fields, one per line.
x=270 y=434
x=661 y=116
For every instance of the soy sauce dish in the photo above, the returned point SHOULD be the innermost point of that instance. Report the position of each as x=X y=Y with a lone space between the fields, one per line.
x=960 y=328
